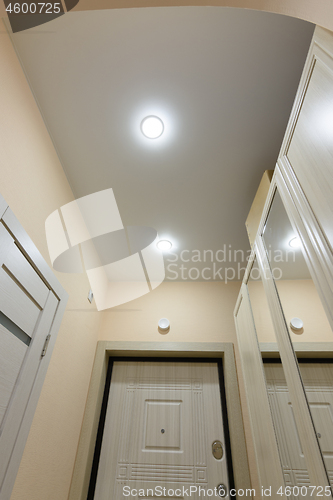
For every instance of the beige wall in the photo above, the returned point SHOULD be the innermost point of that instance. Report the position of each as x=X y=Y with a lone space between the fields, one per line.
x=299 y=298
x=33 y=184
x=197 y=311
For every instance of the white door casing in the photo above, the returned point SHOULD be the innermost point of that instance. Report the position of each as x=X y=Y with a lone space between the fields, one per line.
x=161 y=422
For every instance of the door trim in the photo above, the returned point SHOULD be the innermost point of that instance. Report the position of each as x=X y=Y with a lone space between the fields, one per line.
x=106 y=349
x=302 y=350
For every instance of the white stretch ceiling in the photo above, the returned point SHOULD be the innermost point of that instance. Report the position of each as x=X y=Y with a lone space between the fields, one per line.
x=222 y=80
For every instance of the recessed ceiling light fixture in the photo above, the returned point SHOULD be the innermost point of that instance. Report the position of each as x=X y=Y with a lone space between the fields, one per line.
x=152 y=127
x=164 y=245
x=295 y=242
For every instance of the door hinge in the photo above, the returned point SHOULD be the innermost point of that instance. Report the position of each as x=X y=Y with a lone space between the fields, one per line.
x=46 y=343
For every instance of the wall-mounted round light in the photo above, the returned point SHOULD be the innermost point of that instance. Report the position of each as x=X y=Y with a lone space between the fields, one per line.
x=295 y=242
x=152 y=127
x=164 y=325
x=296 y=324
x=164 y=245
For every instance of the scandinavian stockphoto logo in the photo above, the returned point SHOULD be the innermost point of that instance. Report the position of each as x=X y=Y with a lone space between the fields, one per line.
x=25 y=14
x=87 y=235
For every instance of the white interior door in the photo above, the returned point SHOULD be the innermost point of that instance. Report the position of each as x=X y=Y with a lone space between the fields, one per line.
x=162 y=420
x=30 y=313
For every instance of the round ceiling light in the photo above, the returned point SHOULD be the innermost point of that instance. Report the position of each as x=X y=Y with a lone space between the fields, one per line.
x=152 y=127
x=295 y=242
x=164 y=245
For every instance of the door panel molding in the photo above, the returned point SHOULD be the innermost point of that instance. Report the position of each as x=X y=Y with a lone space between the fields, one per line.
x=306 y=154
x=107 y=349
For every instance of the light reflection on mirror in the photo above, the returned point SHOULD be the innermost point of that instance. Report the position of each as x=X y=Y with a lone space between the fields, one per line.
x=296 y=289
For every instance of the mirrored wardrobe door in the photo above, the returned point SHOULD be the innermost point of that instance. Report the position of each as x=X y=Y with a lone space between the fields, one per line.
x=304 y=325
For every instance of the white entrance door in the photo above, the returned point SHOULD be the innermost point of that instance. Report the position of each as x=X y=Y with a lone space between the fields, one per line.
x=162 y=420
